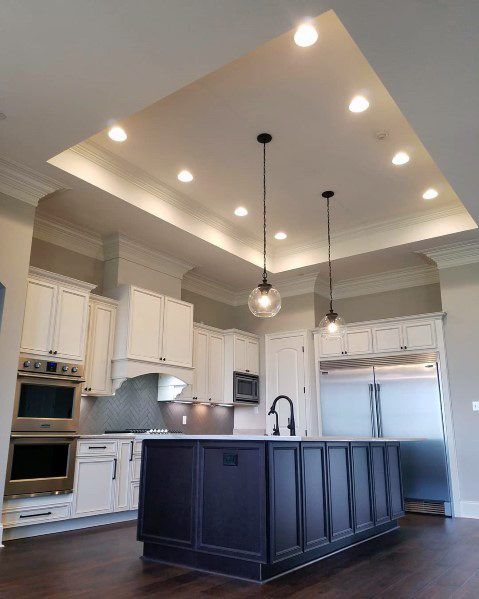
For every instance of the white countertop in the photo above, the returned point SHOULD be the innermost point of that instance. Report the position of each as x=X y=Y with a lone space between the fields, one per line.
x=270 y=438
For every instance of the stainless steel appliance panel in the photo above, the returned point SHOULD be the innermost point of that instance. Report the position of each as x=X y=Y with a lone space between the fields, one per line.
x=245 y=388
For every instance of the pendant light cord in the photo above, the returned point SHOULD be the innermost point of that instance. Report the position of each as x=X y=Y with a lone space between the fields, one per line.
x=265 y=276
x=329 y=260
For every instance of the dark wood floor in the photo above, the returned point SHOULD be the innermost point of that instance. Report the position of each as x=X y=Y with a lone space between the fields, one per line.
x=428 y=557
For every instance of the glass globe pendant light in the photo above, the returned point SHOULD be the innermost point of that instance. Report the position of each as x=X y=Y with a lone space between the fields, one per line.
x=332 y=326
x=264 y=301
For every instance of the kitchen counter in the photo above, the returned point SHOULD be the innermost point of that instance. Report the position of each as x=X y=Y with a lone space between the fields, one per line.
x=255 y=507
x=271 y=438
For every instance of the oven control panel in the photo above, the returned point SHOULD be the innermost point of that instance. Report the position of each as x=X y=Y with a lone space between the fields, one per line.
x=49 y=367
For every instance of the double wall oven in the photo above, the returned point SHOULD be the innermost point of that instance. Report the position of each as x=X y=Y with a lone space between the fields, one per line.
x=44 y=429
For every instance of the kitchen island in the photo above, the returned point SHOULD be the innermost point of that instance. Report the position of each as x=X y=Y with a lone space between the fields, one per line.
x=257 y=507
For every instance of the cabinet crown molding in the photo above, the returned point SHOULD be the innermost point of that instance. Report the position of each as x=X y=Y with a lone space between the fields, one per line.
x=25 y=184
x=118 y=246
x=455 y=254
x=33 y=271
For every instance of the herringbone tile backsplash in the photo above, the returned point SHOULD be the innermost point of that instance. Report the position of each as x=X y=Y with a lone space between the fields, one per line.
x=135 y=405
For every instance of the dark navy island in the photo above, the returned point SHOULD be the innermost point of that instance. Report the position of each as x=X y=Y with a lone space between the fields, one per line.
x=257 y=507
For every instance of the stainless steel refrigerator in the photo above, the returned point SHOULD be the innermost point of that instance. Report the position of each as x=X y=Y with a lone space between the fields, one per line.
x=393 y=397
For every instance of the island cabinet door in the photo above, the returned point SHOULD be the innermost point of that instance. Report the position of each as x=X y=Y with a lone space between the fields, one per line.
x=361 y=470
x=340 y=490
x=285 y=506
x=232 y=500
x=168 y=493
x=380 y=483
x=395 y=482
x=315 y=495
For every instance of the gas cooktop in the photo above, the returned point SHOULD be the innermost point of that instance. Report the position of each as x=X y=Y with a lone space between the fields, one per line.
x=145 y=431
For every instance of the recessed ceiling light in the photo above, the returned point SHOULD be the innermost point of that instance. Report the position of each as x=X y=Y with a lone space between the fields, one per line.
x=358 y=104
x=430 y=194
x=305 y=35
x=185 y=176
x=117 y=133
x=240 y=211
x=400 y=158
x=280 y=235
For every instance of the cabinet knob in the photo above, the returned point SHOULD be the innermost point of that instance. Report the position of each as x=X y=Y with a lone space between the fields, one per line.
x=50 y=351
x=55 y=352
x=405 y=347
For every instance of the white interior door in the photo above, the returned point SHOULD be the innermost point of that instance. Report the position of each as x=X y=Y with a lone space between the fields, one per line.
x=71 y=323
x=216 y=354
x=286 y=376
x=38 y=321
x=146 y=321
x=178 y=332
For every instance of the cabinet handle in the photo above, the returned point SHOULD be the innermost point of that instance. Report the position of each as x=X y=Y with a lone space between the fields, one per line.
x=97 y=447
x=247 y=370
x=35 y=515
x=131 y=452
x=114 y=468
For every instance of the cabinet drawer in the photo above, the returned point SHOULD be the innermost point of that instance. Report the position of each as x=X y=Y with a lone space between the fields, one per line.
x=35 y=515
x=135 y=468
x=87 y=447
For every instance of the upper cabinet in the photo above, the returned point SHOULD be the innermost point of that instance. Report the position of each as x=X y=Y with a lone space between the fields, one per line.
x=246 y=353
x=386 y=336
x=56 y=316
x=101 y=334
x=153 y=327
x=208 y=362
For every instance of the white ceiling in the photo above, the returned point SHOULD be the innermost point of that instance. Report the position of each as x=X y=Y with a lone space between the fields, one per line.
x=79 y=65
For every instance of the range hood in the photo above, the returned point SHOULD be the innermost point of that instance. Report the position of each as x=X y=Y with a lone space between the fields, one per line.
x=171 y=379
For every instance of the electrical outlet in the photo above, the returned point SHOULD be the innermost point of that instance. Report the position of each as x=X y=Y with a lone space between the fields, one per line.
x=475 y=406
x=184 y=419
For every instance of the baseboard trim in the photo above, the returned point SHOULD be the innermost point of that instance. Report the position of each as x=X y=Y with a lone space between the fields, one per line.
x=468 y=509
x=35 y=530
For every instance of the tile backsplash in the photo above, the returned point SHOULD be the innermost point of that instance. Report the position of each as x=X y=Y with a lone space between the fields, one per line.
x=135 y=405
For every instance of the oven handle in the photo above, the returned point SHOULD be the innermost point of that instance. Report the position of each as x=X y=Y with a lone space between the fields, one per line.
x=37 y=375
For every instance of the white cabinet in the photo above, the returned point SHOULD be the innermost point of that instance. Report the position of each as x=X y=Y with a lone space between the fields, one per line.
x=94 y=491
x=419 y=335
x=106 y=469
x=387 y=338
x=153 y=327
x=358 y=341
x=177 y=332
x=101 y=333
x=56 y=316
x=208 y=362
x=246 y=354
x=330 y=347
x=145 y=325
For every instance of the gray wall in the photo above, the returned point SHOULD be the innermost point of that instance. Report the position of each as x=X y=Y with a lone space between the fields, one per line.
x=16 y=227
x=460 y=299
x=135 y=405
x=210 y=312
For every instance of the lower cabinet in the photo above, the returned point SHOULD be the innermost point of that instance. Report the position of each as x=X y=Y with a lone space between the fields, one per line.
x=363 y=499
x=104 y=479
x=340 y=491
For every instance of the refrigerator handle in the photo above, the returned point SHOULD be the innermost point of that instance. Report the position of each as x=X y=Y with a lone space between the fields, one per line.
x=378 y=409
x=373 y=410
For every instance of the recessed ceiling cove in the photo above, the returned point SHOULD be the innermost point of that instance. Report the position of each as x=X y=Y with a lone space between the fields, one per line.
x=302 y=96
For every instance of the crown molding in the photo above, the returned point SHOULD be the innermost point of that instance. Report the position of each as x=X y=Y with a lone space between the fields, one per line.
x=118 y=246
x=137 y=176
x=414 y=276
x=34 y=271
x=209 y=288
x=455 y=254
x=67 y=235
x=25 y=184
x=390 y=225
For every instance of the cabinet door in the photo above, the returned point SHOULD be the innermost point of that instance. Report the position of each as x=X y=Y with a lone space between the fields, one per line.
x=71 y=323
x=200 y=380
x=362 y=486
x=340 y=492
x=94 y=486
x=216 y=356
x=387 y=338
x=100 y=349
x=252 y=356
x=330 y=347
x=395 y=484
x=240 y=354
x=381 y=503
x=122 y=476
x=358 y=341
x=419 y=335
x=145 y=326
x=134 y=495
x=38 y=321
x=178 y=333
x=315 y=495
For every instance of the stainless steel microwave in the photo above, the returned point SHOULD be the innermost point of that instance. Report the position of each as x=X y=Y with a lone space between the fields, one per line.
x=245 y=388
